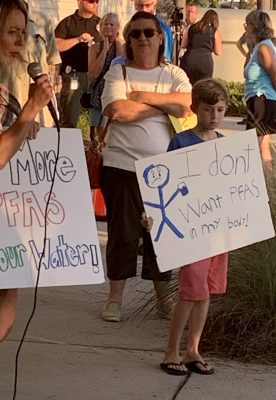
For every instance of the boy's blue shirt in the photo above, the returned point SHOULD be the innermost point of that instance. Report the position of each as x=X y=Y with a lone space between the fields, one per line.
x=185 y=139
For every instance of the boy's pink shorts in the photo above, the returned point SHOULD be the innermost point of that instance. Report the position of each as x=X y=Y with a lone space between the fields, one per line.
x=200 y=279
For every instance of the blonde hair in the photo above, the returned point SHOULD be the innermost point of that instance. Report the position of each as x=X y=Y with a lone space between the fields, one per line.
x=6 y=7
x=109 y=16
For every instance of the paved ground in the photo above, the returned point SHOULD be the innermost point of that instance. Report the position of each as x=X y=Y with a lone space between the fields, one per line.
x=71 y=354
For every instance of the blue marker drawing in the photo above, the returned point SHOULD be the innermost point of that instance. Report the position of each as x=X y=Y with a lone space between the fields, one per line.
x=157 y=177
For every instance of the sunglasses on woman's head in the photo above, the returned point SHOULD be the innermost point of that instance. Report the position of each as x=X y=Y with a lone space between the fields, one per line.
x=148 y=33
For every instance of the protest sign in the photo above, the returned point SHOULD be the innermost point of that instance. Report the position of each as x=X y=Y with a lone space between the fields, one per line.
x=72 y=253
x=205 y=199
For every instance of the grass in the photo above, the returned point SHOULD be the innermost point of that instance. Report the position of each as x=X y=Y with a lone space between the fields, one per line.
x=242 y=323
x=83 y=124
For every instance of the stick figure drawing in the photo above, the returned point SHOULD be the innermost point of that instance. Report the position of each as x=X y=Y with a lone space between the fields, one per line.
x=157 y=177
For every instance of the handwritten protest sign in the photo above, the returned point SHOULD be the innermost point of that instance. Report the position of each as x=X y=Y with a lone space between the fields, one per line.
x=72 y=255
x=205 y=199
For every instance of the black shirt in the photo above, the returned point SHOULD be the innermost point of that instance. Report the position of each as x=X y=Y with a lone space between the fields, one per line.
x=73 y=26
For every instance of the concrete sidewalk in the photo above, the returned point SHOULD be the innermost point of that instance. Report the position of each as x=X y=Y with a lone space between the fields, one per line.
x=71 y=354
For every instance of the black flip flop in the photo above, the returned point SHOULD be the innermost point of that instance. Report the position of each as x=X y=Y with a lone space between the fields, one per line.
x=169 y=368
x=193 y=366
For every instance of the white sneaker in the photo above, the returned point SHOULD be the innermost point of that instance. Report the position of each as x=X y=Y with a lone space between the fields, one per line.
x=112 y=312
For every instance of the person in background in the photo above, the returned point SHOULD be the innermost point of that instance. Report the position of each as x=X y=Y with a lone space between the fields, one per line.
x=138 y=107
x=191 y=13
x=122 y=58
x=41 y=48
x=150 y=6
x=13 y=26
x=100 y=56
x=73 y=35
x=197 y=281
x=246 y=52
x=201 y=40
x=245 y=40
x=260 y=80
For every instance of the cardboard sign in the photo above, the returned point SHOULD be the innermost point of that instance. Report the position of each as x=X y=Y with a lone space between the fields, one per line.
x=72 y=253
x=205 y=199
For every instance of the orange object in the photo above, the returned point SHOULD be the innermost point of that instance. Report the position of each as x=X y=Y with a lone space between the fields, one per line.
x=99 y=204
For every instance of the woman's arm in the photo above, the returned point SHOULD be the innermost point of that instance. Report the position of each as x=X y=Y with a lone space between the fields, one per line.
x=95 y=59
x=268 y=62
x=218 y=44
x=116 y=103
x=12 y=138
x=119 y=48
x=241 y=48
x=184 y=42
x=128 y=111
x=175 y=103
x=240 y=43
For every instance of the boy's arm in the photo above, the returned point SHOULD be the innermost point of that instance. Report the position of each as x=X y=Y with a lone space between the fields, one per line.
x=147 y=222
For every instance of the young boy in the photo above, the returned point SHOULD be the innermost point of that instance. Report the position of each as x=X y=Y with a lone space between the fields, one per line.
x=200 y=279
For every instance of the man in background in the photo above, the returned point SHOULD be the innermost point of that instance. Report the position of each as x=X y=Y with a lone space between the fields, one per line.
x=41 y=48
x=191 y=14
x=150 y=6
x=73 y=36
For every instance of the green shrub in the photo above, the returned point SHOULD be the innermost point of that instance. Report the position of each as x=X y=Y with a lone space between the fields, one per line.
x=237 y=106
x=242 y=323
x=83 y=123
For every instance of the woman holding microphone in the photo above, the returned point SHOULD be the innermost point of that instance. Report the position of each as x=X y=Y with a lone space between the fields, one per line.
x=15 y=125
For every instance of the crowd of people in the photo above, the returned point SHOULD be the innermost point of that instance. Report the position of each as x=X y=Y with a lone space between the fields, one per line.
x=138 y=86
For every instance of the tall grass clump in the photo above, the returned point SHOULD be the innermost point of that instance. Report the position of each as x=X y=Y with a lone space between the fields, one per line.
x=83 y=123
x=242 y=323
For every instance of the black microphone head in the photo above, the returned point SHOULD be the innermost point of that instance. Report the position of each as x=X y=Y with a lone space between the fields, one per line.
x=34 y=70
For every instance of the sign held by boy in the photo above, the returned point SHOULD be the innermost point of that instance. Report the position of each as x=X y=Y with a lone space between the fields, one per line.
x=213 y=188
x=205 y=199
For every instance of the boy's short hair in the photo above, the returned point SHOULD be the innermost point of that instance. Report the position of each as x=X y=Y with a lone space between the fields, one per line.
x=209 y=91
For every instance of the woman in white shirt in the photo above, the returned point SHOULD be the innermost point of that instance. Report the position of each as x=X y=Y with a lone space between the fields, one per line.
x=137 y=99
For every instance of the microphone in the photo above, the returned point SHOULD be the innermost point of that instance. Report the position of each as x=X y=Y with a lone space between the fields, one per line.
x=35 y=71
